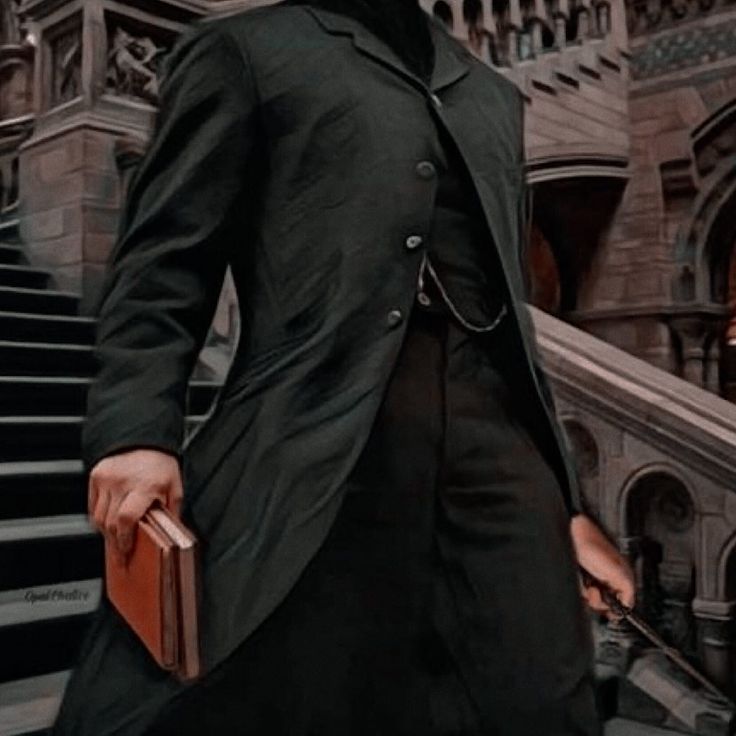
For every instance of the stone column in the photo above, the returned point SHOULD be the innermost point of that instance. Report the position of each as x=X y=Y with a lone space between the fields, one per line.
x=716 y=623
x=514 y=29
x=95 y=82
x=621 y=638
x=698 y=333
x=584 y=11
x=488 y=29
x=561 y=15
x=692 y=334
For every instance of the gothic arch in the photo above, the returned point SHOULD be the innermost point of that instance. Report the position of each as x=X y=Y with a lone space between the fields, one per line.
x=633 y=482
x=443 y=12
x=726 y=571
x=573 y=203
x=660 y=522
x=705 y=246
x=473 y=12
x=9 y=23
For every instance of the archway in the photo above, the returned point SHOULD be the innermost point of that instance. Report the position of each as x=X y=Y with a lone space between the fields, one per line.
x=473 y=17
x=443 y=12
x=727 y=376
x=722 y=630
x=706 y=277
x=660 y=516
x=472 y=12
x=570 y=215
x=728 y=572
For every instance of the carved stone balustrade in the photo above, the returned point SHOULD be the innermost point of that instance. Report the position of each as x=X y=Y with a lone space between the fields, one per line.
x=513 y=31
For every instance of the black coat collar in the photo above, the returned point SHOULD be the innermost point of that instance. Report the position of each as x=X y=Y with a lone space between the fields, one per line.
x=449 y=65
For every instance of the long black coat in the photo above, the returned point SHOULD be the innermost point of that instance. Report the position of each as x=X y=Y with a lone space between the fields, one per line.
x=291 y=144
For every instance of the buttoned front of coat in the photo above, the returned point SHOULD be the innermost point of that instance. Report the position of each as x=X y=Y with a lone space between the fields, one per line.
x=292 y=145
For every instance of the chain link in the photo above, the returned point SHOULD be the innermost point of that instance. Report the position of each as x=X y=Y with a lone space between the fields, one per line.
x=455 y=311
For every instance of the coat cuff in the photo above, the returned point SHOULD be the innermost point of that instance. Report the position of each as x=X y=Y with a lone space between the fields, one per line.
x=99 y=441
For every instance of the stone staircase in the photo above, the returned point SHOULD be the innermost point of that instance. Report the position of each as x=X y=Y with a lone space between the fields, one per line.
x=50 y=558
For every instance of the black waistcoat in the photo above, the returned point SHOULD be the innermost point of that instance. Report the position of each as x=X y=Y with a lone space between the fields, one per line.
x=460 y=248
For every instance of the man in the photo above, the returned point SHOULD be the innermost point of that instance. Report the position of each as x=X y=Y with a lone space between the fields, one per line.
x=317 y=153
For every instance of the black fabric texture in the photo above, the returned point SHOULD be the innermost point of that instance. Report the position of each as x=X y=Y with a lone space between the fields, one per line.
x=428 y=609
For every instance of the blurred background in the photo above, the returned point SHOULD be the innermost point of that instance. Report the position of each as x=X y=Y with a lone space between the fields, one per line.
x=631 y=156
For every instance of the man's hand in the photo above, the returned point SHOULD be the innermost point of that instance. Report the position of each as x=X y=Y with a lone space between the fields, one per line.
x=599 y=557
x=123 y=486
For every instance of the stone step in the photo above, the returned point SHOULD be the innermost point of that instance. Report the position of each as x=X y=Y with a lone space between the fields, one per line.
x=626 y=727
x=42 y=488
x=39 y=438
x=48 y=437
x=13 y=254
x=34 y=603
x=38 y=301
x=48 y=550
x=29 y=706
x=57 y=395
x=45 y=359
x=54 y=328
x=50 y=572
x=26 y=276
x=41 y=647
x=10 y=231
x=655 y=690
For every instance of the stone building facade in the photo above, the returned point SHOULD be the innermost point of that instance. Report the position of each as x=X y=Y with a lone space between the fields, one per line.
x=631 y=153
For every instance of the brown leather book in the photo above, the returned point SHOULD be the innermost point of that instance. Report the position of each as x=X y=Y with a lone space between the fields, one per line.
x=155 y=590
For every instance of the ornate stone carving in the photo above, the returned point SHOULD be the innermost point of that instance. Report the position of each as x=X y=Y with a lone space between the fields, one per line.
x=132 y=69
x=11 y=25
x=643 y=16
x=66 y=65
x=694 y=46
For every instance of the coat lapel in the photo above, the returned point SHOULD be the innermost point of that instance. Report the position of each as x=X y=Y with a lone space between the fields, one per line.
x=449 y=65
x=449 y=68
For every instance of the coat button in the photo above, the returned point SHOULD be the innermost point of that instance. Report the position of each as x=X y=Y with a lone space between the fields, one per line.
x=426 y=169
x=394 y=317
x=414 y=241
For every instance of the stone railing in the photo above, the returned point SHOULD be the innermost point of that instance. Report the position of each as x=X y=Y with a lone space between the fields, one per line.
x=655 y=458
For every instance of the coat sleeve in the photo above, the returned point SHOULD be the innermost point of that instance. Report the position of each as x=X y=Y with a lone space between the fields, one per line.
x=574 y=501
x=178 y=226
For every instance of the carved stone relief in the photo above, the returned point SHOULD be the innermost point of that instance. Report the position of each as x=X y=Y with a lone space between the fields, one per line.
x=694 y=46
x=66 y=65
x=132 y=65
x=643 y=16
x=10 y=22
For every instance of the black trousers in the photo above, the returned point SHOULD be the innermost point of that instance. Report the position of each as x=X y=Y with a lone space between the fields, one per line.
x=445 y=599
